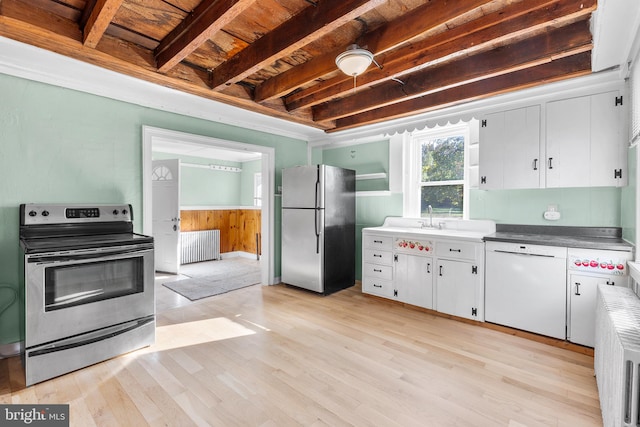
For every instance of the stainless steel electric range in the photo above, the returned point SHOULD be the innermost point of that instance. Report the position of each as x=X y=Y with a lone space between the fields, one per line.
x=88 y=286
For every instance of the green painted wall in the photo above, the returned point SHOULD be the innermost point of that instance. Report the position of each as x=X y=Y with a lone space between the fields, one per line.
x=372 y=157
x=249 y=169
x=60 y=145
x=206 y=187
x=598 y=207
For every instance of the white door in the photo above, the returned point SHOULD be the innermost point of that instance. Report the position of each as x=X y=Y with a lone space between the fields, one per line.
x=414 y=280
x=166 y=214
x=568 y=142
x=456 y=288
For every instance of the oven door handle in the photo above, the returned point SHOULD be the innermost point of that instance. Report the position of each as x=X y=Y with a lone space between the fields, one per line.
x=92 y=338
x=94 y=256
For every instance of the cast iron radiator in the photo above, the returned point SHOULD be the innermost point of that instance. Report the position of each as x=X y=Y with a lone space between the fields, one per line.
x=199 y=246
x=617 y=355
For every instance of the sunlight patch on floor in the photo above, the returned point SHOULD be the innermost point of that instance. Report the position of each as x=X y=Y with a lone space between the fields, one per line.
x=197 y=332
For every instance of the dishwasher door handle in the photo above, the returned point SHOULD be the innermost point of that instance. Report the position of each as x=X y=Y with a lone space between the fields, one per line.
x=522 y=253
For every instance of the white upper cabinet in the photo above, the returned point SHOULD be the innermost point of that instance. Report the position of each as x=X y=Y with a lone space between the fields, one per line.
x=509 y=149
x=581 y=143
x=585 y=142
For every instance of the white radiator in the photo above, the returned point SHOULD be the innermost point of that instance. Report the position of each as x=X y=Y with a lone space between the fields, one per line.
x=199 y=246
x=617 y=355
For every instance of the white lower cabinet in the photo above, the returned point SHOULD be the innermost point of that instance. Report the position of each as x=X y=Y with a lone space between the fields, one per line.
x=446 y=276
x=377 y=265
x=582 y=290
x=456 y=288
x=414 y=280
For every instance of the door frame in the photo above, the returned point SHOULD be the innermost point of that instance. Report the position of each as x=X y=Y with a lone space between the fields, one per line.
x=149 y=134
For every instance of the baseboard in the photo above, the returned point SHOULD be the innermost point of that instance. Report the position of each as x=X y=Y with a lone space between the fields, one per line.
x=9 y=350
x=236 y=254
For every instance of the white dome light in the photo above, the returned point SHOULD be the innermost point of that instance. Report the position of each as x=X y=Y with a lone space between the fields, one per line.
x=354 y=61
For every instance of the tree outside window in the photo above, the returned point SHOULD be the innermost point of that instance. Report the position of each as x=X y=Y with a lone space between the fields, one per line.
x=442 y=175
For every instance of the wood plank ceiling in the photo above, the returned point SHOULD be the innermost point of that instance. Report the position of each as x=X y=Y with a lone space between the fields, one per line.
x=277 y=57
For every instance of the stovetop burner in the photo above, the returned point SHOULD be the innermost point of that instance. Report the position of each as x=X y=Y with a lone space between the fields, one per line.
x=63 y=227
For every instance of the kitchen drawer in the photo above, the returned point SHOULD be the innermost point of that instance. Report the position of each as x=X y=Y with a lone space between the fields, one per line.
x=383 y=288
x=376 y=256
x=382 y=242
x=377 y=271
x=456 y=250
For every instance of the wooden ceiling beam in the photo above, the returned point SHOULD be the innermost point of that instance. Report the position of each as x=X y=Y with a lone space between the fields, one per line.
x=99 y=19
x=560 y=69
x=311 y=23
x=417 y=22
x=39 y=28
x=500 y=27
x=564 y=41
x=200 y=25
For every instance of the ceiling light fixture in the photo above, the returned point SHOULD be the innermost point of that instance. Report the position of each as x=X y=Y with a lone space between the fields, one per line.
x=354 y=61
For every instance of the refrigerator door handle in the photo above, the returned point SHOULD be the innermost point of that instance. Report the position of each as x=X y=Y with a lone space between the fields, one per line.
x=316 y=212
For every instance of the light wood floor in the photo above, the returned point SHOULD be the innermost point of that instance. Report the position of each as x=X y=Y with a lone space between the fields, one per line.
x=280 y=356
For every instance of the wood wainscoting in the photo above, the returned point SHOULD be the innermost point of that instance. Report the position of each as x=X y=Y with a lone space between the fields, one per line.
x=239 y=228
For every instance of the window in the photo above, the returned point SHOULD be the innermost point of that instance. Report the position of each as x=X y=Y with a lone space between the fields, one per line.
x=437 y=172
x=257 y=189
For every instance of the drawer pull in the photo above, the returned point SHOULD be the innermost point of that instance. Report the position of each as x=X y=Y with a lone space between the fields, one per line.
x=377 y=255
x=454 y=250
x=377 y=286
x=377 y=241
x=377 y=271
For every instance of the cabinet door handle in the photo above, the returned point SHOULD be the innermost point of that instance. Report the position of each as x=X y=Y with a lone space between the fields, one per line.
x=440 y=271
x=535 y=164
x=454 y=250
x=550 y=163
x=577 y=289
x=611 y=283
x=429 y=267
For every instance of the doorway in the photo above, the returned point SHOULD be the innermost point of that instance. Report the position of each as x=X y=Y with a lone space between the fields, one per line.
x=152 y=134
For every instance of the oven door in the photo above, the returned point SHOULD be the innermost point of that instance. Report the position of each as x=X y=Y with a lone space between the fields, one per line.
x=74 y=292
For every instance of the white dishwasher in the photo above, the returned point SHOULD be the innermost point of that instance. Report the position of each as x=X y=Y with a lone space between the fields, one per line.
x=526 y=287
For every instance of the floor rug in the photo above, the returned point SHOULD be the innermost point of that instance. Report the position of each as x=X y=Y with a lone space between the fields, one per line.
x=196 y=288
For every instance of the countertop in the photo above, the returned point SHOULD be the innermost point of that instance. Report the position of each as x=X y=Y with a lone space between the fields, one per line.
x=441 y=228
x=603 y=238
x=468 y=235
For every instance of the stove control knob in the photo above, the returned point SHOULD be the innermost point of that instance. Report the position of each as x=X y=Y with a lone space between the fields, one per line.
x=610 y=267
x=124 y=212
x=33 y=213
x=116 y=211
x=45 y=213
x=620 y=266
x=593 y=263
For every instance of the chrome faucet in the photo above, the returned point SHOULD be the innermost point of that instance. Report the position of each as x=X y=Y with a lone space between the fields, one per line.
x=430 y=210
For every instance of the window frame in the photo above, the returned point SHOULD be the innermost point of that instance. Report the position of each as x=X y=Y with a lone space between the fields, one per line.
x=413 y=161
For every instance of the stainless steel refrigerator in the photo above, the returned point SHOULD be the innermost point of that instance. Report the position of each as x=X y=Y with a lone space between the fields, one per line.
x=318 y=227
